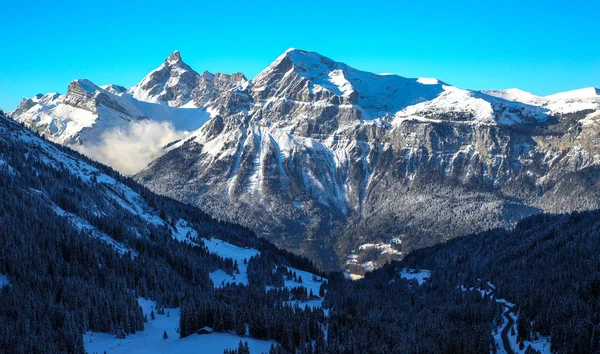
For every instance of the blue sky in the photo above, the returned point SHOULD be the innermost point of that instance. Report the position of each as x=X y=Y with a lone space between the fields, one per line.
x=539 y=46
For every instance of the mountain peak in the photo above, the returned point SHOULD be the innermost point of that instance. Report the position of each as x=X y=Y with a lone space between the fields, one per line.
x=172 y=82
x=173 y=57
x=82 y=87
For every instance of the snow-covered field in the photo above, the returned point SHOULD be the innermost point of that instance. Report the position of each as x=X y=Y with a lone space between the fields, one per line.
x=307 y=282
x=227 y=250
x=151 y=340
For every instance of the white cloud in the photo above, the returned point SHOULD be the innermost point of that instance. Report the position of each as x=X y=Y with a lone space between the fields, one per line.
x=131 y=149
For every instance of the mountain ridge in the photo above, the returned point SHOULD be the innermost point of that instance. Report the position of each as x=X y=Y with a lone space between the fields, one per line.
x=322 y=158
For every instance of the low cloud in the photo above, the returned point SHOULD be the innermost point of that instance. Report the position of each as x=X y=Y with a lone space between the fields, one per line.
x=130 y=149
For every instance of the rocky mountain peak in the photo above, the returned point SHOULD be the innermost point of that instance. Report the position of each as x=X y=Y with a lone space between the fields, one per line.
x=210 y=86
x=82 y=87
x=174 y=57
x=172 y=82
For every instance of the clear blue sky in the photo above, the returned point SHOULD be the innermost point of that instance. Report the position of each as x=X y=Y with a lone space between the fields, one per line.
x=540 y=46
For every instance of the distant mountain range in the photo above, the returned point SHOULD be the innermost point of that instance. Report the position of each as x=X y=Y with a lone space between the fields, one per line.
x=347 y=167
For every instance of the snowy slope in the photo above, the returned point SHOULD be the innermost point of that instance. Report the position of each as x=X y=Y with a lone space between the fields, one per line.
x=309 y=281
x=89 y=115
x=376 y=94
x=467 y=106
x=171 y=83
x=115 y=192
x=151 y=340
x=238 y=254
x=87 y=111
x=559 y=103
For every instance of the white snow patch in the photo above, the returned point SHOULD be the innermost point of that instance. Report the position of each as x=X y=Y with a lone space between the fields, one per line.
x=419 y=275
x=183 y=232
x=428 y=81
x=227 y=250
x=4 y=280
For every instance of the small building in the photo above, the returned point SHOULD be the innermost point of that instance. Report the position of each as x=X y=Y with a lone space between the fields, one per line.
x=205 y=330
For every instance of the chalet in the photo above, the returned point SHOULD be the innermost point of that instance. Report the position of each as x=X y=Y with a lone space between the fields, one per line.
x=205 y=330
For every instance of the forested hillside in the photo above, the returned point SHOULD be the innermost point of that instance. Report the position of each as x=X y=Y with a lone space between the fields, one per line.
x=548 y=266
x=82 y=247
x=80 y=244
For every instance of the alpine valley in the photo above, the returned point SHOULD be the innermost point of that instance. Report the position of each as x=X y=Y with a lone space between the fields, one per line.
x=346 y=167
x=469 y=213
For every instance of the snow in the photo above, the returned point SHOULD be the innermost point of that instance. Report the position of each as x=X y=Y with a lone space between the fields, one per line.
x=483 y=108
x=584 y=93
x=513 y=94
x=121 y=194
x=227 y=250
x=183 y=232
x=83 y=225
x=368 y=266
x=4 y=280
x=541 y=343
x=308 y=283
x=428 y=81
x=70 y=125
x=559 y=103
x=378 y=94
x=384 y=248
x=419 y=275
x=151 y=341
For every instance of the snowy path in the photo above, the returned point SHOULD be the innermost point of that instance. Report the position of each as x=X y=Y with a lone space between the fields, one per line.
x=509 y=324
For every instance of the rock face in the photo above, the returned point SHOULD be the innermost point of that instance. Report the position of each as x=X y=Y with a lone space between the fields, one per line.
x=347 y=167
x=172 y=83
x=211 y=86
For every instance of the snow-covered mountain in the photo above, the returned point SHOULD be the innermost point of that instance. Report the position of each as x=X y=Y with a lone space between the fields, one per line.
x=172 y=83
x=173 y=93
x=322 y=158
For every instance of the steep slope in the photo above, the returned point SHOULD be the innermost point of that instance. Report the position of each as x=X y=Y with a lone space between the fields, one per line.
x=84 y=249
x=545 y=270
x=322 y=158
x=171 y=83
x=91 y=261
